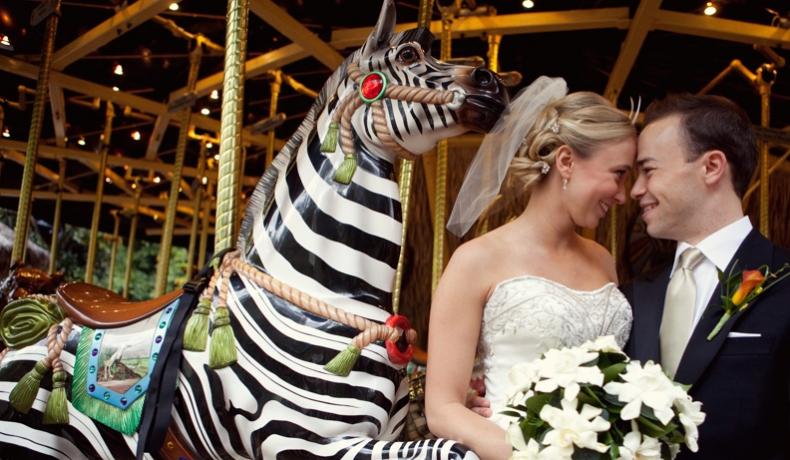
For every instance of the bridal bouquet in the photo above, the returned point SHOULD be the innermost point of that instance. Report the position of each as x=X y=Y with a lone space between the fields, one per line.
x=592 y=402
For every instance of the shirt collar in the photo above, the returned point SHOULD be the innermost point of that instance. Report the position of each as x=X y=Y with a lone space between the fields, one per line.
x=720 y=246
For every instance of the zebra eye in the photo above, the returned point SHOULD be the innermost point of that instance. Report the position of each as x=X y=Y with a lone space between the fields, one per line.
x=408 y=55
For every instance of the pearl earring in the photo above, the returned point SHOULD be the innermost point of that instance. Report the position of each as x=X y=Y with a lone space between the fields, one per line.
x=565 y=183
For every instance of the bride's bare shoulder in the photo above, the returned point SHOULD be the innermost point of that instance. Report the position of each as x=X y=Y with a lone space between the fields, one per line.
x=601 y=257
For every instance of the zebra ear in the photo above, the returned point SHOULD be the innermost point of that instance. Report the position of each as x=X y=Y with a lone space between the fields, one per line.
x=380 y=37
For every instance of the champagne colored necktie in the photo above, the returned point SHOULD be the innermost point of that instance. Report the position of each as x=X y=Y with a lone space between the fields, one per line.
x=678 y=314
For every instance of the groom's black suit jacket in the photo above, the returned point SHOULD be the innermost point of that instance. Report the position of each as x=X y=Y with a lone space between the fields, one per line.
x=743 y=383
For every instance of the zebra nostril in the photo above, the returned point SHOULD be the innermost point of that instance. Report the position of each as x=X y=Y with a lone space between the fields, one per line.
x=483 y=77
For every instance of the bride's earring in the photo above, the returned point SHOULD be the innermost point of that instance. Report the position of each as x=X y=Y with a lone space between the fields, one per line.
x=565 y=183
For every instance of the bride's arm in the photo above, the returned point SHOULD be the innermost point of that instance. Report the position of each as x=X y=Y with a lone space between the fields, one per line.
x=456 y=315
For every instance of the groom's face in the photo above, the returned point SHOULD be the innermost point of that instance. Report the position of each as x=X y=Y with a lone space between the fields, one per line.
x=667 y=187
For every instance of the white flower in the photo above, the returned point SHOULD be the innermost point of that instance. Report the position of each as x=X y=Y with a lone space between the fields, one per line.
x=563 y=368
x=690 y=417
x=606 y=344
x=571 y=427
x=638 y=447
x=532 y=450
x=519 y=398
x=522 y=376
x=645 y=385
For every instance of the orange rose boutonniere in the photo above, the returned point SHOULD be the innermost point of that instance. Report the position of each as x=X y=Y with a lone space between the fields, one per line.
x=739 y=290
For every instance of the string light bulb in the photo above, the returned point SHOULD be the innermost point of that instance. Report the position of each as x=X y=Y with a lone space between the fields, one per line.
x=528 y=4
x=6 y=132
x=173 y=6
x=209 y=145
x=214 y=95
x=710 y=9
x=81 y=141
x=116 y=89
x=205 y=111
x=118 y=70
x=157 y=179
x=136 y=135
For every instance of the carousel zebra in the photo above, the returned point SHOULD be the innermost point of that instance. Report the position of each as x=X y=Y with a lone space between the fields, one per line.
x=325 y=219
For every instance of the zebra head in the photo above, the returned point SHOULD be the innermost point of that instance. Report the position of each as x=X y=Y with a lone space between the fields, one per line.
x=400 y=101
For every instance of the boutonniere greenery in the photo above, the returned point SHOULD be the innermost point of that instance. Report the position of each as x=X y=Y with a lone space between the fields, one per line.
x=740 y=290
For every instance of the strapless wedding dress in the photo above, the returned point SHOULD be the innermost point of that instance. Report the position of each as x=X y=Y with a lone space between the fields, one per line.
x=529 y=315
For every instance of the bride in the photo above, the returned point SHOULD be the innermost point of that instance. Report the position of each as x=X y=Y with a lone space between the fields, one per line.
x=532 y=284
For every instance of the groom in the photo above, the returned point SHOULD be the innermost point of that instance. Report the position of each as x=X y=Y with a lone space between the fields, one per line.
x=696 y=157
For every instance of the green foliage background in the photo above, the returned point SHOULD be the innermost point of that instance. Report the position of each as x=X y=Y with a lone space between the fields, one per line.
x=73 y=255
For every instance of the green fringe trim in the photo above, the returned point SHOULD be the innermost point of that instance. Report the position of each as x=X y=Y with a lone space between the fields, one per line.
x=330 y=140
x=346 y=169
x=196 y=333
x=25 y=391
x=342 y=363
x=57 y=412
x=124 y=421
x=223 y=344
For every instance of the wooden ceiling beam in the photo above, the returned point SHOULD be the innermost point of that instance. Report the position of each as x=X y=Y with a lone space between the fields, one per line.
x=640 y=26
x=122 y=98
x=123 y=21
x=722 y=29
x=284 y=23
x=506 y=24
x=18 y=157
x=51 y=151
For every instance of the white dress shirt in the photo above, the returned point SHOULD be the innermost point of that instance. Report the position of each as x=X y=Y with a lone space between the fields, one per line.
x=718 y=248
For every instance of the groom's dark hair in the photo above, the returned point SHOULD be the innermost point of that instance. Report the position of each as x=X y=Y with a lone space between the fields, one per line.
x=713 y=123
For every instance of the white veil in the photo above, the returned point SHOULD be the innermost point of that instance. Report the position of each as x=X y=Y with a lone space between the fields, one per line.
x=487 y=171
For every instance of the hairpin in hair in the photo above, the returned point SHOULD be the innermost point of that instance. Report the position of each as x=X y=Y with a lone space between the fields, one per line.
x=544 y=167
x=634 y=114
x=555 y=127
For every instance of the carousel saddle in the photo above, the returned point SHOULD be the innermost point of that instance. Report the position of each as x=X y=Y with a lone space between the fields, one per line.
x=101 y=308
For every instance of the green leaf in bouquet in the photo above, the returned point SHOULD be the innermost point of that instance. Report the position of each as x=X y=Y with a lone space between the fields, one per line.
x=675 y=437
x=536 y=402
x=512 y=413
x=647 y=411
x=612 y=372
x=655 y=429
x=587 y=454
x=606 y=359
x=586 y=389
x=614 y=449
x=531 y=427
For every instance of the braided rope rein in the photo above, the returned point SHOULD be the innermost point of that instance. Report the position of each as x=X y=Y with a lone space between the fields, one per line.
x=370 y=331
x=351 y=102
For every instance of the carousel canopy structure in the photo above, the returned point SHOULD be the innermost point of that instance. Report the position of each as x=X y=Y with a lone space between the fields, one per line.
x=135 y=55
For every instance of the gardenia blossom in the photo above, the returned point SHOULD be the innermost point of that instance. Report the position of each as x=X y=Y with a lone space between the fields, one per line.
x=522 y=376
x=690 y=416
x=606 y=344
x=572 y=427
x=638 y=447
x=645 y=385
x=563 y=368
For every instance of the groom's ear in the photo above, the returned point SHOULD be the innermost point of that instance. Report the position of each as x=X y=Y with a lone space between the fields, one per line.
x=715 y=167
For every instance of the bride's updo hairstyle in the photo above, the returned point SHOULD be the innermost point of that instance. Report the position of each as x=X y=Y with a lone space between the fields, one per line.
x=582 y=120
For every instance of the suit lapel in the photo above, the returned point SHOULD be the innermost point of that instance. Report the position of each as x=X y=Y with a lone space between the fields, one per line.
x=753 y=252
x=650 y=301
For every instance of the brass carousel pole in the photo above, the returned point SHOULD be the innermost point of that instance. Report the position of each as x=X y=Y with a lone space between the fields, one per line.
x=127 y=274
x=114 y=250
x=203 y=246
x=763 y=84
x=440 y=196
x=196 y=205
x=55 y=244
x=406 y=168
x=275 y=85
x=50 y=10
x=230 y=129
x=175 y=182
x=104 y=147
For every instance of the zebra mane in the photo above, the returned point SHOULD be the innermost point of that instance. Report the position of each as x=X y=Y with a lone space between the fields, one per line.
x=262 y=196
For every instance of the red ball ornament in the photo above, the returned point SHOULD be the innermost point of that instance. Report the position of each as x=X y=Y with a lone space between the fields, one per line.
x=373 y=87
x=395 y=354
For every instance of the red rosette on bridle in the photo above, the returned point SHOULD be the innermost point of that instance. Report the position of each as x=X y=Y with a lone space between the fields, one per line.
x=400 y=351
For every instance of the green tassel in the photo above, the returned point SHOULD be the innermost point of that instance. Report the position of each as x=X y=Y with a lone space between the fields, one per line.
x=223 y=345
x=196 y=333
x=346 y=169
x=330 y=140
x=57 y=412
x=342 y=363
x=25 y=391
